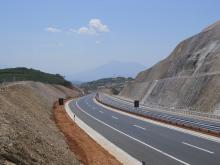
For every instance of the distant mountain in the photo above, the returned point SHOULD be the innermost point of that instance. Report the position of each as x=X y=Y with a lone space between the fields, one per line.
x=77 y=82
x=25 y=74
x=116 y=84
x=112 y=69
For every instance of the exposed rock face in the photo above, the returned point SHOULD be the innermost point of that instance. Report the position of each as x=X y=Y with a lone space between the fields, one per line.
x=189 y=77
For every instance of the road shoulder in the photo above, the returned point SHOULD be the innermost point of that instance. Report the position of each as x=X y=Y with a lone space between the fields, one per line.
x=86 y=149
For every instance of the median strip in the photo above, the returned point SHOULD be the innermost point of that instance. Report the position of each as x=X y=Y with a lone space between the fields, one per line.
x=194 y=126
x=142 y=118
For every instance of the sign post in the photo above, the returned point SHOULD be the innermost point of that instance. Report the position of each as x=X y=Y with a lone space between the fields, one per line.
x=61 y=101
x=136 y=103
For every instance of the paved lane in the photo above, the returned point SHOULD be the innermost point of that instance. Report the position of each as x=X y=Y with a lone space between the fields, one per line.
x=145 y=141
x=206 y=124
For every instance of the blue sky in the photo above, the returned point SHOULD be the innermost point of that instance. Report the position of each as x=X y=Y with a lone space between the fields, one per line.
x=69 y=36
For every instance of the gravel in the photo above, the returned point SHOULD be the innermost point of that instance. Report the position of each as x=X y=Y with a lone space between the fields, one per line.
x=28 y=135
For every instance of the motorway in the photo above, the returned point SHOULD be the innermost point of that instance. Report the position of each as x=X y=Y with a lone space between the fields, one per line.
x=151 y=143
x=187 y=120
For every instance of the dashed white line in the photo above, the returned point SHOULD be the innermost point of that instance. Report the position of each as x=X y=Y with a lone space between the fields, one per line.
x=139 y=127
x=178 y=129
x=137 y=140
x=101 y=112
x=198 y=148
x=115 y=117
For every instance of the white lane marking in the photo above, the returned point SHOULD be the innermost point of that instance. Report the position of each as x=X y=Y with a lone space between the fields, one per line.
x=182 y=130
x=101 y=112
x=139 y=141
x=139 y=127
x=131 y=103
x=115 y=117
x=198 y=147
x=120 y=154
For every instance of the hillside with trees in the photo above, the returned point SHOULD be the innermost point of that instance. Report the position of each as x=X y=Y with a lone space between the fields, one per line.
x=116 y=83
x=25 y=74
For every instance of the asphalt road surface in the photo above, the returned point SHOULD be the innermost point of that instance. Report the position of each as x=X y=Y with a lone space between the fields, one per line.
x=153 y=144
x=212 y=126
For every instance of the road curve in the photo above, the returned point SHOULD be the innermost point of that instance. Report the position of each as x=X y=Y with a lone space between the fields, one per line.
x=186 y=120
x=145 y=141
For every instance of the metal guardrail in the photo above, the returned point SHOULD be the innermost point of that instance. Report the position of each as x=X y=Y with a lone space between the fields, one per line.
x=192 y=111
x=165 y=117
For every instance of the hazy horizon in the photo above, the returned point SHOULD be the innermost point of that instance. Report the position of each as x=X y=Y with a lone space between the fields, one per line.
x=69 y=37
x=107 y=70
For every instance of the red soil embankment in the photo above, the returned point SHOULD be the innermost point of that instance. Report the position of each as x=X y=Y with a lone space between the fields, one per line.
x=86 y=149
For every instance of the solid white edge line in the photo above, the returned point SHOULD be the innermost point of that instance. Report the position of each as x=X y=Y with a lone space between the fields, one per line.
x=137 y=140
x=117 y=152
x=137 y=126
x=190 y=132
x=198 y=148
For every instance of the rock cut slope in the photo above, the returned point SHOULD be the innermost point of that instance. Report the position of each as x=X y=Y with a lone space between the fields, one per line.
x=188 y=77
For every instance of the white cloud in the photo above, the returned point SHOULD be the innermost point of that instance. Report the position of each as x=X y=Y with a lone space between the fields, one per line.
x=95 y=26
x=52 y=30
x=98 y=26
x=83 y=30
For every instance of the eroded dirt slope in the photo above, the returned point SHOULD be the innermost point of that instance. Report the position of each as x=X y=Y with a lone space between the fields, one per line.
x=27 y=133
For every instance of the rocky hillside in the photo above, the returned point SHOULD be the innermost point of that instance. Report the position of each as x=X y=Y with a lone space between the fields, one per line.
x=28 y=134
x=188 y=77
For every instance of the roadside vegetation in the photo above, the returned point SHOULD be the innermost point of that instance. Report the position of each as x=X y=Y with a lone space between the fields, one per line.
x=25 y=74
